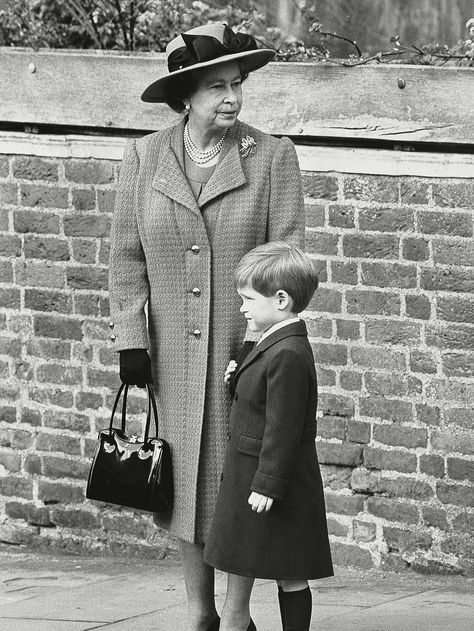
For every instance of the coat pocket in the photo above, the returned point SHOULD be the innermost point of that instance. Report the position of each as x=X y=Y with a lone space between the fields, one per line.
x=249 y=445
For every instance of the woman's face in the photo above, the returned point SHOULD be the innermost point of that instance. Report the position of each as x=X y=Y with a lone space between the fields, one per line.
x=217 y=101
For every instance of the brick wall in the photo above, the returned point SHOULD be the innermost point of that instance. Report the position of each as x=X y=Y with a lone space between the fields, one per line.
x=392 y=328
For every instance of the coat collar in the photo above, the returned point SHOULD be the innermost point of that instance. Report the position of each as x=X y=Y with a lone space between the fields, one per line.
x=298 y=329
x=170 y=178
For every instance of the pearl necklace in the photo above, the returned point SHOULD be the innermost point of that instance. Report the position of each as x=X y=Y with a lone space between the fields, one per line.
x=198 y=156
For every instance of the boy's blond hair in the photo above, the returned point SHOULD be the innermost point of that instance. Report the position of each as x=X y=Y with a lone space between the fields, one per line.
x=278 y=265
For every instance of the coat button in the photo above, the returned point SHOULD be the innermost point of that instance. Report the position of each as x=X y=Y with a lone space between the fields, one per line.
x=197 y=333
x=236 y=396
x=111 y=324
x=113 y=337
x=196 y=292
x=195 y=249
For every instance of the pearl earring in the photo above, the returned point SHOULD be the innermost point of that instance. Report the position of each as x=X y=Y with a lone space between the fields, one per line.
x=187 y=107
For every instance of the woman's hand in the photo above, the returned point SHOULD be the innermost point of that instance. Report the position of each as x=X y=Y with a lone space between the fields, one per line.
x=135 y=367
x=230 y=370
x=260 y=503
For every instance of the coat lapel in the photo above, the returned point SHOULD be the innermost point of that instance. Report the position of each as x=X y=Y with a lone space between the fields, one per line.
x=228 y=174
x=169 y=176
x=298 y=328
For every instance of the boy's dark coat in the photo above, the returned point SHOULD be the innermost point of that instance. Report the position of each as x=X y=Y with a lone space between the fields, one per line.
x=271 y=450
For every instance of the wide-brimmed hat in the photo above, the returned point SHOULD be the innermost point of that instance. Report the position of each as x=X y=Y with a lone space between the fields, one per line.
x=206 y=46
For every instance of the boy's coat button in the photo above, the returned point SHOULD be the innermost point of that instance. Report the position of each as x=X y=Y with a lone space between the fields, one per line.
x=236 y=396
x=197 y=333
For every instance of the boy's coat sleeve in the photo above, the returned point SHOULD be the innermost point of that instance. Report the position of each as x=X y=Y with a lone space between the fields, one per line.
x=288 y=385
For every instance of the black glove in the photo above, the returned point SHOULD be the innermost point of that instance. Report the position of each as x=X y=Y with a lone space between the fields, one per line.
x=135 y=367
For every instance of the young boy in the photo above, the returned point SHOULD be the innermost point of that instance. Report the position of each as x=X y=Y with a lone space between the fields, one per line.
x=270 y=519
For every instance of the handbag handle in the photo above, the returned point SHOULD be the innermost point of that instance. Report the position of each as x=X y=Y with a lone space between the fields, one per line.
x=151 y=406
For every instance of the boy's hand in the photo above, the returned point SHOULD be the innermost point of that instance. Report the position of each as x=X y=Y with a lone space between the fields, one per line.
x=260 y=503
x=229 y=370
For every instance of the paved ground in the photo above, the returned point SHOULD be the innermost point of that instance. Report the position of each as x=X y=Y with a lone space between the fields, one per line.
x=44 y=592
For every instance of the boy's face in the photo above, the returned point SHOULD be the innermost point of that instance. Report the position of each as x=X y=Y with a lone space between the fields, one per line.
x=261 y=312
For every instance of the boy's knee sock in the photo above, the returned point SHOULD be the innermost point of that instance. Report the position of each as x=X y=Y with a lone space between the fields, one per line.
x=295 y=609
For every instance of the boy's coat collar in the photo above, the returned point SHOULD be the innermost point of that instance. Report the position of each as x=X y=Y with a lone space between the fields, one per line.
x=298 y=328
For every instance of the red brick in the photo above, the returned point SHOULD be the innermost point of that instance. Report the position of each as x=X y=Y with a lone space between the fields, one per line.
x=32 y=464
x=350 y=380
x=370 y=246
x=320 y=327
x=319 y=186
x=326 y=300
x=332 y=427
x=406 y=540
x=84 y=277
x=382 y=459
x=88 y=401
x=455 y=494
x=54 y=467
x=435 y=517
x=51 y=396
x=415 y=249
x=373 y=302
x=16 y=486
x=8 y=194
x=82 y=352
x=460 y=469
x=387 y=409
x=10 y=298
x=458 y=545
x=106 y=201
x=39 y=274
x=57 y=327
x=453 y=252
x=44 y=196
x=33 y=168
x=363 y=531
x=83 y=199
x=413 y=191
x=47 y=349
x=344 y=273
x=337 y=529
x=108 y=356
x=455 y=309
x=455 y=336
x=340 y=454
x=334 y=354
x=86 y=225
x=341 y=216
x=386 y=219
x=57 y=493
x=10 y=245
x=326 y=376
x=84 y=250
x=372 y=357
x=432 y=465
x=448 y=279
x=358 y=432
x=4 y=167
x=392 y=510
x=393 y=332
x=456 y=224
x=7 y=414
x=46 y=248
x=342 y=504
x=324 y=243
x=462 y=417
x=10 y=461
x=60 y=443
x=44 y=300
x=6 y=271
x=453 y=194
x=348 y=329
x=352 y=556
x=464 y=522
x=15 y=438
x=87 y=305
x=450 y=390
x=30 y=417
x=418 y=306
x=373 y=188
x=89 y=171
x=336 y=405
x=64 y=420
x=336 y=477
x=423 y=361
x=314 y=215
x=59 y=374
x=458 y=364
x=34 y=515
x=392 y=384
x=74 y=519
x=104 y=255
x=428 y=415
x=10 y=346
x=34 y=221
x=393 y=275
x=401 y=436
x=103 y=379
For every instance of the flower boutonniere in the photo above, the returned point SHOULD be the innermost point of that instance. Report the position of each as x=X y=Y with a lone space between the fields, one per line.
x=248 y=146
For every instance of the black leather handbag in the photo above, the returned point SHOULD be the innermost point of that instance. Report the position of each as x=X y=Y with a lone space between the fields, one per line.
x=129 y=472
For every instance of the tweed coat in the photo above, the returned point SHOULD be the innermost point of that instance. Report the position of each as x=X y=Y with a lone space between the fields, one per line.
x=272 y=451
x=171 y=288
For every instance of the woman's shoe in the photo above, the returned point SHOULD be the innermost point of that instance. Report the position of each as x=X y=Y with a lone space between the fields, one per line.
x=215 y=625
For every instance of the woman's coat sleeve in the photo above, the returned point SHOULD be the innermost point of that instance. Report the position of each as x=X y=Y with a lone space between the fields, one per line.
x=128 y=282
x=286 y=208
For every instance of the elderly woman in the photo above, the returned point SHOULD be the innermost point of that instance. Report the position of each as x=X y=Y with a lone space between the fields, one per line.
x=192 y=200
